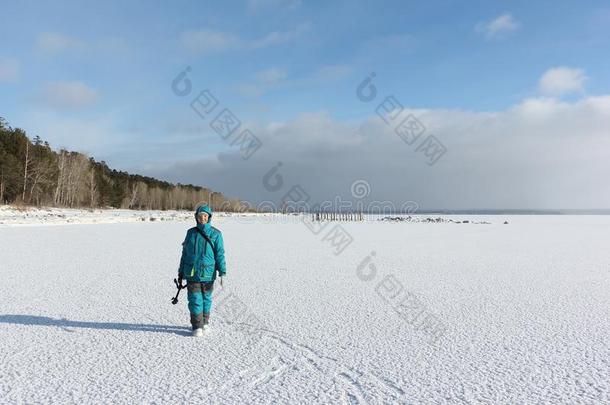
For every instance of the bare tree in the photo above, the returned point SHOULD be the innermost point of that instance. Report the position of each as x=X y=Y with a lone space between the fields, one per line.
x=2 y=185
x=61 y=167
x=25 y=168
x=40 y=176
x=133 y=194
x=92 y=187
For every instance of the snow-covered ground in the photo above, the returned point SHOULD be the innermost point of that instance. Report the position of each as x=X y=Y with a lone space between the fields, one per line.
x=440 y=313
x=26 y=216
x=55 y=216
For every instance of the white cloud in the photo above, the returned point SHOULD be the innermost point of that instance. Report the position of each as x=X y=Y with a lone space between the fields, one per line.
x=279 y=37
x=540 y=153
x=332 y=72
x=53 y=43
x=498 y=27
x=272 y=75
x=9 y=69
x=113 y=46
x=273 y=4
x=206 y=40
x=273 y=78
x=70 y=95
x=265 y=80
x=562 y=80
x=96 y=134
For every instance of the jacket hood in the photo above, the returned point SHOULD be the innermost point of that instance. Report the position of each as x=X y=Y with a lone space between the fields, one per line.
x=204 y=208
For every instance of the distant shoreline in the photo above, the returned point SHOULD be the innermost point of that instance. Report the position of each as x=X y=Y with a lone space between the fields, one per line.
x=518 y=212
x=600 y=211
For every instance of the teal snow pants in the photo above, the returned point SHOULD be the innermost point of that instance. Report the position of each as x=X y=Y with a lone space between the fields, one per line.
x=200 y=302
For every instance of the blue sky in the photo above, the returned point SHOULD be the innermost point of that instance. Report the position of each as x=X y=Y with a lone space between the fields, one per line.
x=96 y=77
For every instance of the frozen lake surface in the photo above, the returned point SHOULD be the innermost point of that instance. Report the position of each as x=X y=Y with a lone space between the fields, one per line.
x=441 y=313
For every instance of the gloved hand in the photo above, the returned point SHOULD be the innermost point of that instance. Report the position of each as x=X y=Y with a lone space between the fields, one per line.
x=180 y=279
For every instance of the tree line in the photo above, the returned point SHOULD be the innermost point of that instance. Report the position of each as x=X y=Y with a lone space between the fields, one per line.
x=32 y=173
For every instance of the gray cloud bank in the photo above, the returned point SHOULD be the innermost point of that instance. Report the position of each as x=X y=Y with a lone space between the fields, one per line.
x=541 y=154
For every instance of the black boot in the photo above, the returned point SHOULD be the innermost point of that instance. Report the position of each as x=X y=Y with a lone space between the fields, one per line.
x=197 y=321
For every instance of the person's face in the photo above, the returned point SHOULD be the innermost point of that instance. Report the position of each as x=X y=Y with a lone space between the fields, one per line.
x=202 y=218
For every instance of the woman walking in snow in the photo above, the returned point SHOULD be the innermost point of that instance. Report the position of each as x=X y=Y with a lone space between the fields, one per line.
x=203 y=255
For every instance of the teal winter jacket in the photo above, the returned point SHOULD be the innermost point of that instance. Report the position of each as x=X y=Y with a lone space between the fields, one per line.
x=200 y=261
